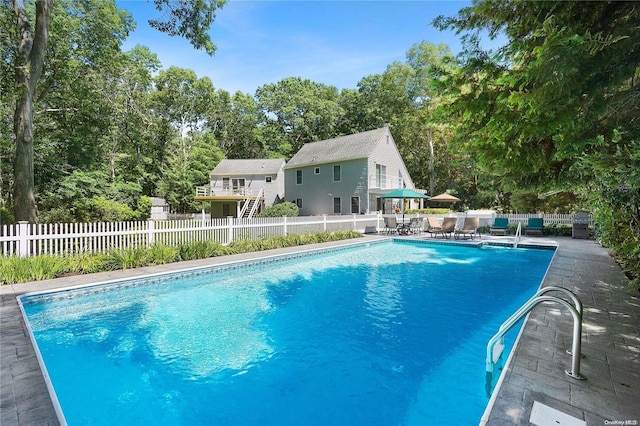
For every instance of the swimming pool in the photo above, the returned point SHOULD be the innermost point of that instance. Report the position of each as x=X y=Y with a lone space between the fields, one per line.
x=384 y=333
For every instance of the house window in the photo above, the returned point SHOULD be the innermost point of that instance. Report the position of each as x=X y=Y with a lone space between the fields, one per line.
x=298 y=177
x=337 y=206
x=225 y=183
x=381 y=172
x=226 y=208
x=355 y=205
x=400 y=184
x=337 y=173
x=299 y=202
x=267 y=179
x=316 y=170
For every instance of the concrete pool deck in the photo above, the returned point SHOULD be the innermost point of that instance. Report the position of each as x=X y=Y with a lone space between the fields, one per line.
x=610 y=395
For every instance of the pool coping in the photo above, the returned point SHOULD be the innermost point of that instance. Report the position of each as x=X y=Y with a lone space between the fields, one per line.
x=25 y=400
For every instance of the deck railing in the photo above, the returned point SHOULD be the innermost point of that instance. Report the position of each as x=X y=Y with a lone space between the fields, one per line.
x=62 y=239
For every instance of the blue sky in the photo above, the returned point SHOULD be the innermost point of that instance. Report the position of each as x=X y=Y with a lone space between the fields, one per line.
x=332 y=42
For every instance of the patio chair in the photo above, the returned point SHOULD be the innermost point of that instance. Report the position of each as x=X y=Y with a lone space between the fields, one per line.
x=433 y=226
x=500 y=226
x=535 y=226
x=469 y=228
x=448 y=226
x=415 y=225
x=390 y=225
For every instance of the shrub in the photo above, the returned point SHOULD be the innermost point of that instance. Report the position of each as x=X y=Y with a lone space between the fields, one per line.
x=279 y=210
x=159 y=254
x=132 y=257
x=88 y=263
x=14 y=270
x=47 y=267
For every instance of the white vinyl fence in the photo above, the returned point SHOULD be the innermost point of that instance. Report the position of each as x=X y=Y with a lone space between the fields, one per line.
x=26 y=239
x=62 y=239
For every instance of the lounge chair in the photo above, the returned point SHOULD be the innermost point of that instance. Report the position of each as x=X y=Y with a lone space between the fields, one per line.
x=448 y=226
x=535 y=226
x=415 y=225
x=500 y=226
x=470 y=228
x=390 y=225
x=433 y=226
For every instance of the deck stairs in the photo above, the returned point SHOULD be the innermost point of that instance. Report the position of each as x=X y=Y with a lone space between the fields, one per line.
x=251 y=206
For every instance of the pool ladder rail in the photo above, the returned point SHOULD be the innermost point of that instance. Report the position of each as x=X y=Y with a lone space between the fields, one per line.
x=516 y=238
x=496 y=343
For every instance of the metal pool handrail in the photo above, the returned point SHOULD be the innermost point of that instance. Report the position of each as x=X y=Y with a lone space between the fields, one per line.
x=493 y=352
x=516 y=237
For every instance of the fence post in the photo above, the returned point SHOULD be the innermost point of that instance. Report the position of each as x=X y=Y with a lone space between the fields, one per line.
x=230 y=225
x=23 y=238
x=355 y=222
x=150 y=232
x=324 y=223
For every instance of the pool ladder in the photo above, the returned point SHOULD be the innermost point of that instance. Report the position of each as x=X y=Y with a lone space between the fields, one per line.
x=496 y=343
x=516 y=238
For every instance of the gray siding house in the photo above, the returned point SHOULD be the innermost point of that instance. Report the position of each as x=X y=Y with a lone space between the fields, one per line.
x=238 y=185
x=346 y=174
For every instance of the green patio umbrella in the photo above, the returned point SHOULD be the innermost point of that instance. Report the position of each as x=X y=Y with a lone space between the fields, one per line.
x=403 y=193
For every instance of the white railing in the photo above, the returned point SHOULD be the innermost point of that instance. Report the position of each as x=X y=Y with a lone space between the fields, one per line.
x=206 y=191
x=256 y=204
x=386 y=182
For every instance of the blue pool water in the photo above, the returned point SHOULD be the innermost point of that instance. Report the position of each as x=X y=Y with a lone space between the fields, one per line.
x=382 y=334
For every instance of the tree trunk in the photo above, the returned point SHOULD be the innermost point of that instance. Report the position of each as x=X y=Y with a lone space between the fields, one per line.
x=432 y=177
x=29 y=63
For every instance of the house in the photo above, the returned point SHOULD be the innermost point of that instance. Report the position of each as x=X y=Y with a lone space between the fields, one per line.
x=242 y=188
x=346 y=175
x=159 y=208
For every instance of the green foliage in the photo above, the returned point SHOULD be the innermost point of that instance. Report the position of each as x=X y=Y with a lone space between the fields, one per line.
x=198 y=250
x=282 y=209
x=133 y=257
x=296 y=111
x=556 y=107
x=190 y=19
x=87 y=263
x=429 y=210
x=46 y=267
x=15 y=270
x=6 y=215
x=160 y=254
x=18 y=270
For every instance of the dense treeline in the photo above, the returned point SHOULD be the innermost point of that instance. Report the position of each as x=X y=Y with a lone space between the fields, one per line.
x=554 y=111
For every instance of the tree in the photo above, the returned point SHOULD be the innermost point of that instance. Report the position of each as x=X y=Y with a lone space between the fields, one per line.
x=556 y=107
x=187 y=18
x=235 y=123
x=297 y=111
x=29 y=62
